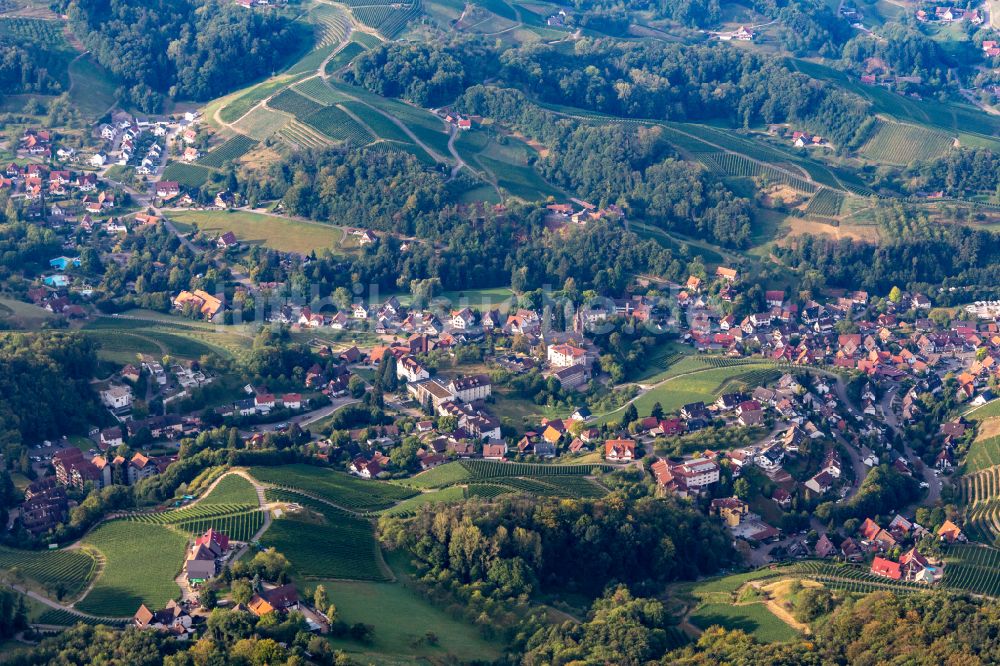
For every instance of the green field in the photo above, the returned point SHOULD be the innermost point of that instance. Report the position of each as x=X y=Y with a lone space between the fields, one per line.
x=701 y=385
x=344 y=57
x=232 y=489
x=402 y=617
x=412 y=505
x=754 y=619
x=231 y=150
x=897 y=143
x=986 y=411
x=122 y=339
x=324 y=542
x=141 y=562
x=17 y=314
x=93 y=89
x=188 y=175
x=439 y=477
x=62 y=573
x=341 y=489
x=975 y=569
x=237 y=108
x=273 y=231
x=982 y=454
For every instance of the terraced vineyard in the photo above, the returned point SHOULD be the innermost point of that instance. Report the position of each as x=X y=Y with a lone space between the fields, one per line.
x=547 y=486
x=491 y=469
x=238 y=526
x=974 y=569
x=301 y=135
x=200 y=511
x=327 y=543
x=231 y=150
x=64 y=573
x=67 y=618
x=345 y=491
x=232 y=507
x=825 y=203
x=388 y=19
x=381 y=125
x=141 y=563
x=850 y=578
x=344 y=57
x=739 y=166
x=320 y=92
x=336 y=124
x=292 y=102
x=898 y=143
x=334 y=24
x=979 y=491
x=188 y=175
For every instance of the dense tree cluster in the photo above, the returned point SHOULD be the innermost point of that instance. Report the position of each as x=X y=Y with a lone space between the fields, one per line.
x=420 y=73
x=915 y=253
x=517 y=546
x=189 y=49
x=46 y=375
x=634 y=167
x=922 y=629
x=668 y=81
x=961 y=173
x=903 y=51
x=882 y=491
x=24 y=68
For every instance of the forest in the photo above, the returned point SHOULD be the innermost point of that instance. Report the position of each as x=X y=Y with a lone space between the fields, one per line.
x=45 y=384
x=184 y=49
x=24 y=68
x=511 y=547
x=916 y=254
x=631 y=166
x=961 y=173
x=464 y=246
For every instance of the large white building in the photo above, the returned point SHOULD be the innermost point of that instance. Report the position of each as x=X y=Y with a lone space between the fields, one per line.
x=117 y=397
x=473 y=387
x=565 y=355
x=409 y=369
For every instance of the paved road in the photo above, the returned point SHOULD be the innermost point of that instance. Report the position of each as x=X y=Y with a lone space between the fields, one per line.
x=932 y=480
x=304 y=419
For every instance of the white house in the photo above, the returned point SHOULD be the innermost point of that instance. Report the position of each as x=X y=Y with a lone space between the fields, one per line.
x=117 y=397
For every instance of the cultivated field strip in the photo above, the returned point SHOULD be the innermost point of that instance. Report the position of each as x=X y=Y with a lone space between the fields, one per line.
x=61 y=571
x=231 y=150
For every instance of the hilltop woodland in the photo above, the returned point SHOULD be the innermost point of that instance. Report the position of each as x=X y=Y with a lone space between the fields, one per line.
x=184 y=49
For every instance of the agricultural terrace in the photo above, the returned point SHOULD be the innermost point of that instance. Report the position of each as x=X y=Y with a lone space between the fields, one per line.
x=274 y=231
x=753 y=618
x=413 y=617
x=239 y=521
x=121 y=339
x=338 y=488
x=488 y=478
x=141 y=562
x=191 y=176
x=230 y=151
x=231 y=489
x=389 y=19
x=322 y=541
x=975 y=569
x=703 y=385
x=983 y=453
x=62 y=573
x=897 y=143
